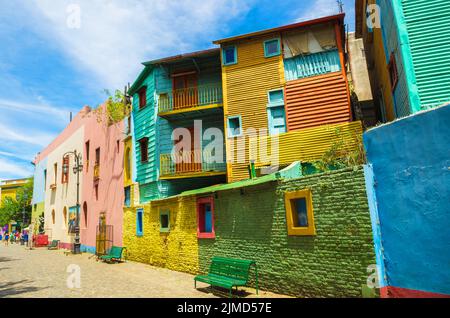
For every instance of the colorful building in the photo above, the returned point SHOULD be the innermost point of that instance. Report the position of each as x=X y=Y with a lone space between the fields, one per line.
x=8 y=188
x=409 y=191
x=404 y=42
x=286 y=81
x=100 y=144
x=177 y=100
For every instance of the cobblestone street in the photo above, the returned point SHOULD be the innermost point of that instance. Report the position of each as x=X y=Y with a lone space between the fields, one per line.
x=43 y=273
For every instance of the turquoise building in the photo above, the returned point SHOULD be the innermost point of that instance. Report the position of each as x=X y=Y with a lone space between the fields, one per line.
x=415 y=42
x=176 y=98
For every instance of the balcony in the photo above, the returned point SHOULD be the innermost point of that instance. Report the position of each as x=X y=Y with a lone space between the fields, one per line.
x=96 y=172
x=190 y=99
x=190 y=164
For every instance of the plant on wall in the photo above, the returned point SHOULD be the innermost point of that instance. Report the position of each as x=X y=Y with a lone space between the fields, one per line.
x=342 y=154
x=117 y=108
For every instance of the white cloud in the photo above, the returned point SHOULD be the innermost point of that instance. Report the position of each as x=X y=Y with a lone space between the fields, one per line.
x=42 y=109
x=10 y=170
x=318 y=9
x=37 y=138
x=116 y=36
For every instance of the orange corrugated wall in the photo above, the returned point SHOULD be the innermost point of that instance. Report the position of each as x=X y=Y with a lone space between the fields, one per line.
x=318 y=100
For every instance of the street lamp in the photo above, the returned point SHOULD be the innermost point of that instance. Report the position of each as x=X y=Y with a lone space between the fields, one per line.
x=78 y=167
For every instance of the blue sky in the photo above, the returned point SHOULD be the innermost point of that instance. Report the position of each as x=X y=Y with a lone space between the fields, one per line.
x=48 y=70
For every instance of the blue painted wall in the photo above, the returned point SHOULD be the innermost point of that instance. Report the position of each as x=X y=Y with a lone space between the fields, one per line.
x=411 y=165
x=39 y=182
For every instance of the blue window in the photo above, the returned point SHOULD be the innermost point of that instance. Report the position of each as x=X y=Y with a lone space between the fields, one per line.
x=229 y=55
x=300 y=215
x=234 y=126
x=139 y=222
x=272 y=48
x=276 y=113
x=127 y=196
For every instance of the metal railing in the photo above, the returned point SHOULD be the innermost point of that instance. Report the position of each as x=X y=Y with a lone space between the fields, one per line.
x=190 y=97
x=189 y=162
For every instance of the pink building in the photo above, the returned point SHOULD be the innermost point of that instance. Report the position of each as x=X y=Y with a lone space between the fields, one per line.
x=103 y=195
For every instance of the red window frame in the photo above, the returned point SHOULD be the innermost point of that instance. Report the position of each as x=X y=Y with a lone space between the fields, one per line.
x=393 y=72
x=65 y=175
x=200 y=202
x=143 y=145
x=142 y=97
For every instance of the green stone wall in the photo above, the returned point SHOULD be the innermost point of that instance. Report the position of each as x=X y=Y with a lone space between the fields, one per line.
x=333 y=263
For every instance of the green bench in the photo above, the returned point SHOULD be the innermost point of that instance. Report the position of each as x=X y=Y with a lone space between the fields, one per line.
x=114 y=255
x=53 y=245
x=228 y=273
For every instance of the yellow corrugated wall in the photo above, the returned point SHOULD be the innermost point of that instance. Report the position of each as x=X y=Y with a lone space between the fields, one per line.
x=176 y=250
x=245 y=90
x=310 y=144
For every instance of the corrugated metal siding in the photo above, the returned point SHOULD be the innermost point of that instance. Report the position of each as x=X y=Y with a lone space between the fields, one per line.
x=246 y=85
x=428 y=25
x=391 y=45
x=311 y=65
x=318 y=100
x=144 y=123
x=310 y=144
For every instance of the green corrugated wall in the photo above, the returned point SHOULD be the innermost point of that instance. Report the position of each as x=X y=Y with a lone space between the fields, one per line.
x=428 y=27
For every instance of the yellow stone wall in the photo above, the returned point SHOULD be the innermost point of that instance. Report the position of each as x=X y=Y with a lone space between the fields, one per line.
x=176 y=250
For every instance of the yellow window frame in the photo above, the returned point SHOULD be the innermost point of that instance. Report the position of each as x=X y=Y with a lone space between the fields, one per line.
x=310 y=230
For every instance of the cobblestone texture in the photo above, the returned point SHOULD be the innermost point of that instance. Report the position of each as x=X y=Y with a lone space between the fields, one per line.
x=43 y=273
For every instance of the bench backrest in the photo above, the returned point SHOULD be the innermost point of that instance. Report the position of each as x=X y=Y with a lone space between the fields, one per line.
x=116 y=252
x=55 y=242
x=233 y=268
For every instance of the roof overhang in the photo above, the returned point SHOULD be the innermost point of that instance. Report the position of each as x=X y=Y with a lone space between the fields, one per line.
x=337 y=17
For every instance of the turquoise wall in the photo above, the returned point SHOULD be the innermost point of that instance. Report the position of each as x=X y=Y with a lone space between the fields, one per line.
x=410 y=160
x=427 y=26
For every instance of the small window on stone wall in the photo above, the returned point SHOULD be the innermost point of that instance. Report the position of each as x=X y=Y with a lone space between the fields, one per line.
x=205 y=218
x=299 y=213
x=139 y=222
x=164 y=220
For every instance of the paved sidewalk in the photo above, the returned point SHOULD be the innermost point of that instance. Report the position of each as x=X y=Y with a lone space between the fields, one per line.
x=43 y=273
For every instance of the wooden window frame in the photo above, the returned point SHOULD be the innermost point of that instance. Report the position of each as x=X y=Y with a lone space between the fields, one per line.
x=65 y=176
x=224 y=55
x=204 y=235
x=393 y=72
x=145 y=139
x=266 y=54
x=229 y=128
x=161 y=228
x=142 y=95
x=309 y=230
x=139 y=232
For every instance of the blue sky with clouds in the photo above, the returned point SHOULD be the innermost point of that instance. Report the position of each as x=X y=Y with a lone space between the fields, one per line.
x=48 y=70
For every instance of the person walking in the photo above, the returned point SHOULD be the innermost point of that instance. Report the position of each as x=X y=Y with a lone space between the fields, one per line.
x=6 y=238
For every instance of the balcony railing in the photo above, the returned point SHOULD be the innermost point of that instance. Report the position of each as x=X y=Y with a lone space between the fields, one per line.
x=96 y=172
x=189 y=162
x=190 y=97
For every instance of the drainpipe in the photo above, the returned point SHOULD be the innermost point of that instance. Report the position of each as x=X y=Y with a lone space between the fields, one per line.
x=251 y=169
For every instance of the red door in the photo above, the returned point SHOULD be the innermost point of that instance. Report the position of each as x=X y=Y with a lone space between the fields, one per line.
x=185 y=91
x=191 y=159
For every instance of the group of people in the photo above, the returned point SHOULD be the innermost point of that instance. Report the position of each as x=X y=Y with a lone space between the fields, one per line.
x=14 y=237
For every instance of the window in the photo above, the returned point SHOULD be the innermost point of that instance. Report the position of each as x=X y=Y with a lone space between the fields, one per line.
x=234 y=126
x=85 y=215
x=127 y=196
x=55 y=171
x=97 y=156
x=45 y=179
x=143 y=143
x=53 y=216
x=393 y=73
x=118 y=146
x=229 y=55
x=276 y=112
x=86 y=149
x=205 y=218
x=164 y=219
x=272 y=48
x=299 y=213
x=139 y=222
x=65 y=170
x=142 y=97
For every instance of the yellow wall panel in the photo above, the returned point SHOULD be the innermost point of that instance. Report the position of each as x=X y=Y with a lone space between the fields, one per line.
x=245 y=90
